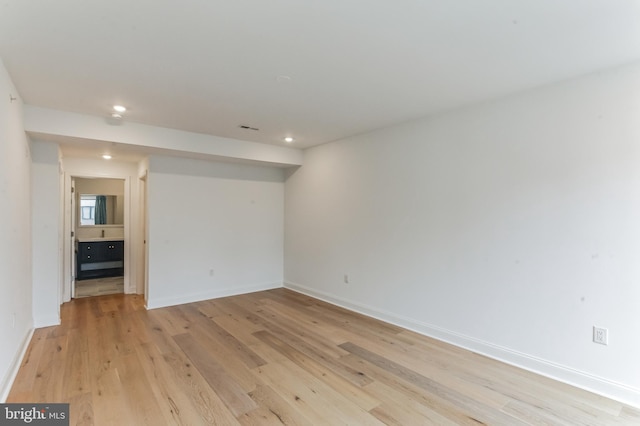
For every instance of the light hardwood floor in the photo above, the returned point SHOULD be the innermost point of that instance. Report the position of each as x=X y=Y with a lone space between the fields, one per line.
x=99 y=287
x=278 y=357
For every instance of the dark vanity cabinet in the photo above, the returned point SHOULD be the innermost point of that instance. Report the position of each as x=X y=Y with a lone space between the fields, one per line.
x=98 y=259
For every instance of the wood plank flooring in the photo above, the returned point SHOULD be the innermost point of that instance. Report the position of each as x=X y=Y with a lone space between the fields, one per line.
x=279 y=357
x=99 y=287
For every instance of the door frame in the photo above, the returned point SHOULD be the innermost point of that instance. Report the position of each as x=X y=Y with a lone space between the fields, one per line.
x=68 y=261
x=142 y=263
x=72 y=236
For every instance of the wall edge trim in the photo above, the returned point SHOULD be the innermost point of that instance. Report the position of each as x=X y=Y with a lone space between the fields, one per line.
x=585 y=381
x=212 y=294
x=12 y=372
x=47 y=321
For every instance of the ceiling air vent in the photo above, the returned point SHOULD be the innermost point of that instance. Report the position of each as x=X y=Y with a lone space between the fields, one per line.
x=242 y=126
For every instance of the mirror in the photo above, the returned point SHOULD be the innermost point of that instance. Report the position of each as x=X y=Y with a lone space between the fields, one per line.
x=100 y=210
x=99 y=202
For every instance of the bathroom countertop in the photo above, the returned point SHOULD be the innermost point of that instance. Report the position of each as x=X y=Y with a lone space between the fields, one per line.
x=96 y=239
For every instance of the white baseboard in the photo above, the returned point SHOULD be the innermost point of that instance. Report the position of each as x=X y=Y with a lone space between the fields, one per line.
x=213 y=294
x=12 y=372
x=601 y=386
x=40 y=322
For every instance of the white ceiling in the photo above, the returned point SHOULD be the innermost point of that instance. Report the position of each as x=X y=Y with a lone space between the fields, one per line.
x=209 y=66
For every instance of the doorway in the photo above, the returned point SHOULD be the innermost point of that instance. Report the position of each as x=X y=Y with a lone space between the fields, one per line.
x=97 y=248
x=98 y=206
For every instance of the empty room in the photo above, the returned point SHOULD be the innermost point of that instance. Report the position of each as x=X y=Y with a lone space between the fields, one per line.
x=420 y=212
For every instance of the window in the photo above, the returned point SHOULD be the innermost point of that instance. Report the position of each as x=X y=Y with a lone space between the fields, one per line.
x=87 y=210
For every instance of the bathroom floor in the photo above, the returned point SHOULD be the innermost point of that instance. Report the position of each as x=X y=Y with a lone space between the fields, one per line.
x=99 y=287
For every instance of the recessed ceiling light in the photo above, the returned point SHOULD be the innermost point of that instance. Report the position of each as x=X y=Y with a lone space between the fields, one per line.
x=106 y=157
x=119 y=108
x=288 y=139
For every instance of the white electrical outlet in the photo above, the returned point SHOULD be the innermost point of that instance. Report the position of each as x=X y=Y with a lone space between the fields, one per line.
x=346 y=278
x=600 y=335
x=13 y=320
x=212 y=272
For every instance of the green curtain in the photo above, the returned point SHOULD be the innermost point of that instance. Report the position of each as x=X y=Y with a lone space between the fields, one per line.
x=101 y=210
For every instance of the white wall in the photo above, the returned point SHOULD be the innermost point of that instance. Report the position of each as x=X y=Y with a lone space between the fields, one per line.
x=90 y=167
x=510 y=228
x=46 y=234
x=16 y=320
x=102 y=186
x=206 y=216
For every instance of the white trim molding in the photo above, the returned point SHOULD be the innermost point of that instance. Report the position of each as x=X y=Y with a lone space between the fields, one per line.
x=40 y=322
x=12 y=372
x=580 y=379
x=163 y=302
